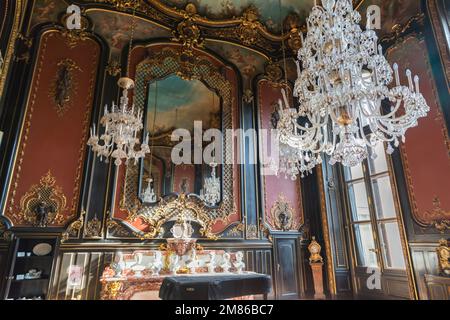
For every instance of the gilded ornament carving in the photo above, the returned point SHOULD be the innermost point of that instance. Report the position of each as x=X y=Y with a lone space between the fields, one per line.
x=237 y=230
x=74 y=36
x=248 y=96
x=266 y=232
x=93 y=228
x=45 y=194
x=113 y=68
x=111 y=290
x=74 y=228
x=191 y=208
x=64 y=85
x=5 y=234
x=274 y=74
x=294 y=39
x=282 y=214
x=440 y=217
x=251 y=231
x=116 y=229
x=248 y=31
x=122 y=4
x=443 y=253
x=188 y=33
x=23 y=52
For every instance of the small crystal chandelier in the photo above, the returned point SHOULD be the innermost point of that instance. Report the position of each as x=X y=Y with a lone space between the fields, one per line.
x=343 y=88
x=210 y=193
x=149 y=196
x=122 y=125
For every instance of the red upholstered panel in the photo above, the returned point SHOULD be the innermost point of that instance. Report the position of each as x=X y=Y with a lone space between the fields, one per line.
x=276 y=187
x=52 y=142
x=426 y=151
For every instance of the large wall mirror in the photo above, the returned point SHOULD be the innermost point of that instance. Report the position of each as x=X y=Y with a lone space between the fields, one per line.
x=175 y=103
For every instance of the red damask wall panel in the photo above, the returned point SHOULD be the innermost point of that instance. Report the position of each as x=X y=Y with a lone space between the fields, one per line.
x=277 y=189
x=49 y=160
x=425 y=154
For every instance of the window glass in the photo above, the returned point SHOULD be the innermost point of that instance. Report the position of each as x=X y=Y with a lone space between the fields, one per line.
x=391 y=245
x=358 y=200
x=365 y=244
x=383 y=197
x=353 y=173
x=379 y=164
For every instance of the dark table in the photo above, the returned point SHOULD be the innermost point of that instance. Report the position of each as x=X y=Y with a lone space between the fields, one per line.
x=215 y=287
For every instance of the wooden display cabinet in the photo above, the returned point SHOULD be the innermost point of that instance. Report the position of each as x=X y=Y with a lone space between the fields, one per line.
x=19 y=283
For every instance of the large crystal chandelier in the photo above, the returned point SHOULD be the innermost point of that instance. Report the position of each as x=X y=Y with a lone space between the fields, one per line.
x=210 y=193
x=122 y=126
x=342 y=88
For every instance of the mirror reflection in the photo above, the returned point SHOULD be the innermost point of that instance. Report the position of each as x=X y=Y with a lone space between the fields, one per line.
x=174 y=103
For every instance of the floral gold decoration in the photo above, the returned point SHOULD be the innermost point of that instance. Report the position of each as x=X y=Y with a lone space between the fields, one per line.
x=440 y=217
x=23 y=53
x=443 y=253
x=248 y=31
x=314 y=249
x=93 y=228
x=282 y=214
x=191 y=208
x=74 y=228
x=116 y=229
x=111 y=290
x=274 y=74
x=47 y=193
x=122 y=4
x=74 y=36
x=248 y=97
x=64 y=86
x=251 y=231
x=237 y=230
x=188 y=33
x=113 y=68
x=294 y=41
x=5 y=234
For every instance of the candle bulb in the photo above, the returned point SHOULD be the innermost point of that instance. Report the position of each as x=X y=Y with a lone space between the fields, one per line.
x=410 y=82
x=397 y=77
x=416 y=81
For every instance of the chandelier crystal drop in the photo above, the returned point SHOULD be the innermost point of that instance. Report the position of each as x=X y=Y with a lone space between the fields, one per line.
x=343 y=87
x=210 y=193
x=122 y=126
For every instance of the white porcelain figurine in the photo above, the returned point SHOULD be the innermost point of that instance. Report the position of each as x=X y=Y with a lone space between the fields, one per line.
x=212 y=262
x=157 y=263
x=193 y=262
x=226 y=264
x=239 y=263
x=174 y=263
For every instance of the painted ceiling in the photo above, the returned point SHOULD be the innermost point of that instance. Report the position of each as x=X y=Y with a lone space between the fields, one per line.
x=269 y=10
x=114 y=26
